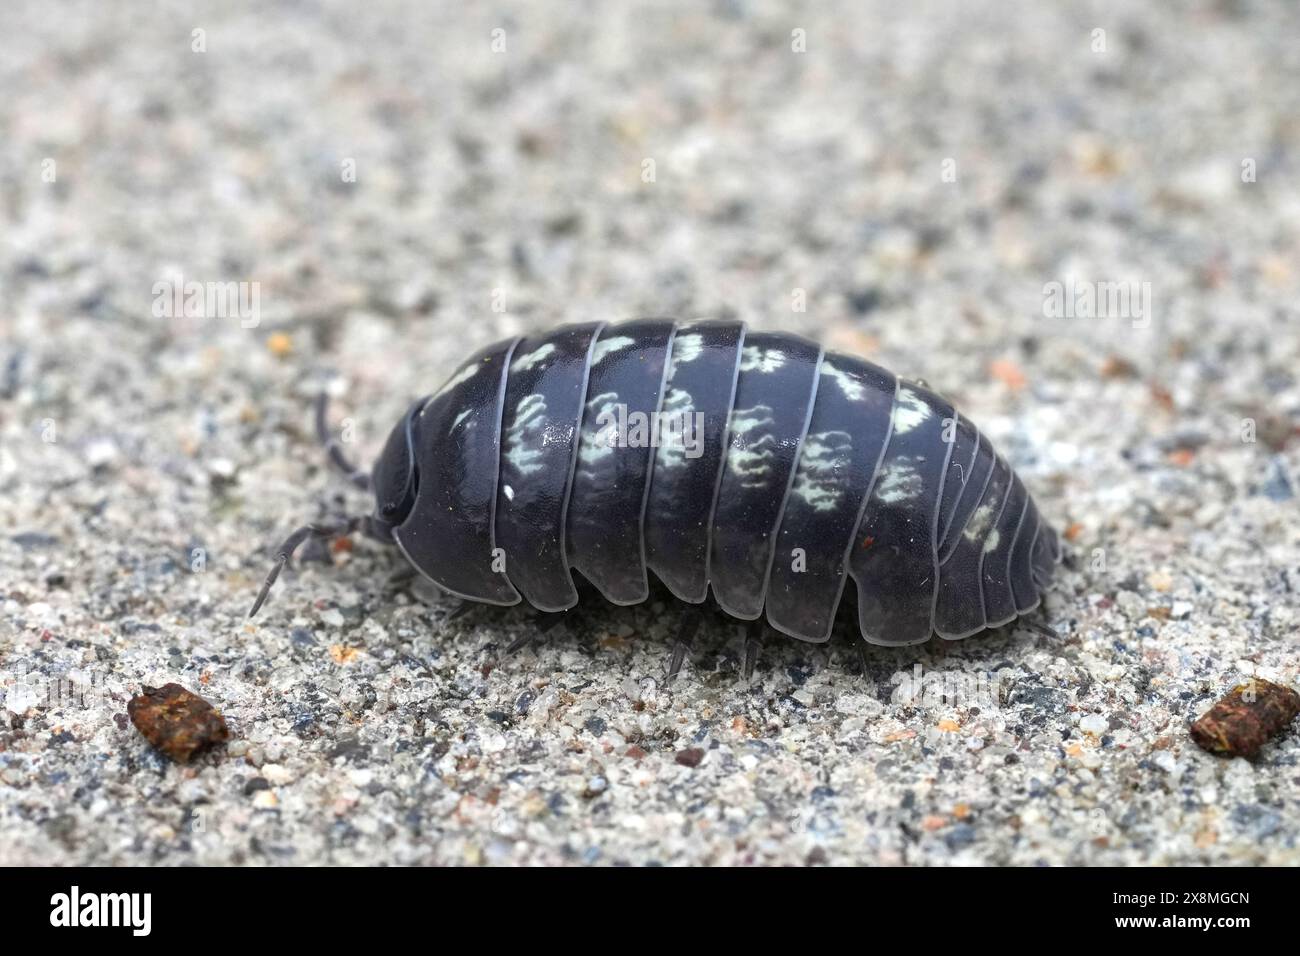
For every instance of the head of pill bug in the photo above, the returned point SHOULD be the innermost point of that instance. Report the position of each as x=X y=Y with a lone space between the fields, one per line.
x=394 y=477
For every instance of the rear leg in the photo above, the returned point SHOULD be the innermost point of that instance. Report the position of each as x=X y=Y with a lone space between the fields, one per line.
x=1037 y=622
x=687 y=626
x=543 y=622
x=754 y=631
x=463 y=609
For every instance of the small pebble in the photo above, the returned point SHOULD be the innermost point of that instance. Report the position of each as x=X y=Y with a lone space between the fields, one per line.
x=277 y=774
x=691 y=757
x=1094 y=724
x=100 y=452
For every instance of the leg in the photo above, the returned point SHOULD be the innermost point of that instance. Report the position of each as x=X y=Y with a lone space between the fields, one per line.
x=1038 y=627
x=465 y=607
x=753 y=644
x=291 y=544
x=686 y=628
x=336 y=456
x=545 y=621
x=399 y=579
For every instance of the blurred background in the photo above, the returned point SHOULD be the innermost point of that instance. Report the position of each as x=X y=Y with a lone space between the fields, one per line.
x=395 y=185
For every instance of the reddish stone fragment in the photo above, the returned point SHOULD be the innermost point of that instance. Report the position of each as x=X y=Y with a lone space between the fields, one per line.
x=690 y=757
x=178 y=723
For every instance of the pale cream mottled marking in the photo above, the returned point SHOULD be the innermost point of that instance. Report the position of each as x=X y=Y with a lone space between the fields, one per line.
x=461 y=377
x=595 y=443
x=678 y=403
x=754 y=358
x=607 y=347
x=750 y=458
x=910 y=411
x=687 y=347
x=534 y=358
x=524 y=439
x=899 y=482
x=851 y=386
x=979 y=523
x=817 y=482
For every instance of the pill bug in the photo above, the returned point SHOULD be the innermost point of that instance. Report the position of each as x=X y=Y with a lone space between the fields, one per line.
x=754 y=465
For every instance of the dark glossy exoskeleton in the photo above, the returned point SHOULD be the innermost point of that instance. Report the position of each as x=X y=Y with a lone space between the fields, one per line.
x=755 y=464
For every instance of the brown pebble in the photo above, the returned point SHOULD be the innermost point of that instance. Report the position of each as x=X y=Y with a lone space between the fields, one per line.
x=178 y=723
x=690 y=757
x=1116 y=366
x=1246 y=719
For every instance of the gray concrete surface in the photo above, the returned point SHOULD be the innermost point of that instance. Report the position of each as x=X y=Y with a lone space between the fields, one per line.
x=149 y=463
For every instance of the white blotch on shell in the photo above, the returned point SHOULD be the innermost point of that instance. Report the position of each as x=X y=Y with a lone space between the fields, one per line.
x=898 y=482
x=678 y=404
x=687 y=347
x=534 y=358
x=607 y=347
x=754 y=358
x=910 y=411
x=595 y=443
x=818 y=482
x=463 y=375
x=979 y=523
x=525 y=438
x=750 y=454
x=852 y=387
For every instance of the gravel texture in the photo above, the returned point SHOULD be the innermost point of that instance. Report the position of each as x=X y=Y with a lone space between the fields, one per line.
x=148 y=464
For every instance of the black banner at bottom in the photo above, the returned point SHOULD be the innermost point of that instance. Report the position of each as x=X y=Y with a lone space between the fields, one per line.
x=366 y=905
